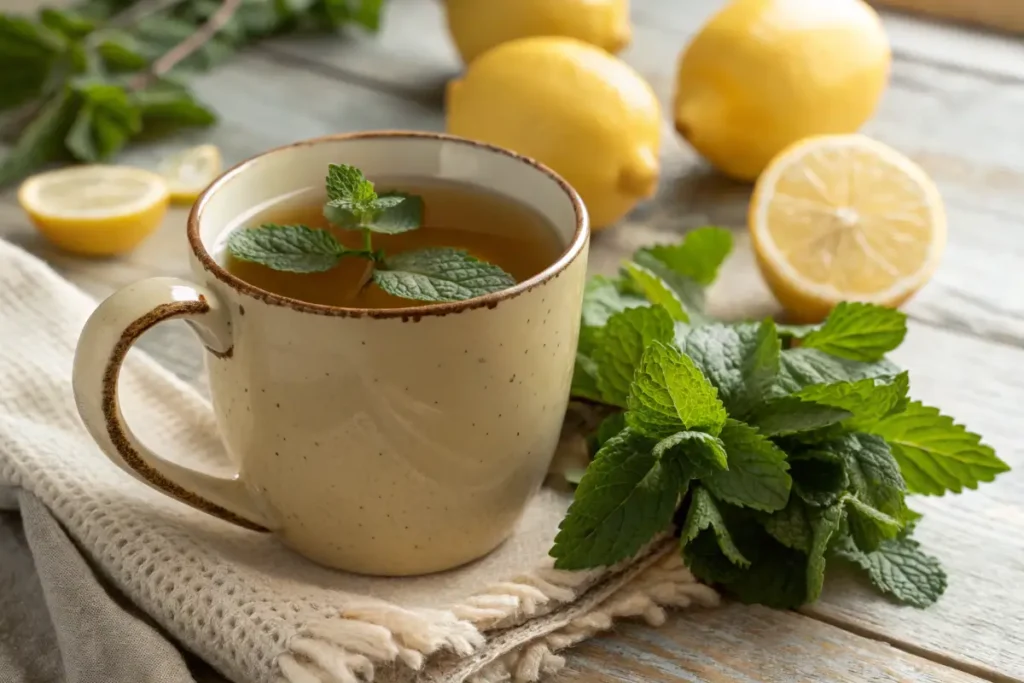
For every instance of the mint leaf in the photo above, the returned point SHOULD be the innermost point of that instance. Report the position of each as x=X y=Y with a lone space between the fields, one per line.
x=899 y=569
x=757 y=476
x=935 y=454
x=626 y=497
x=348 y=188
x=824 y=524
x=609 y=427
x=439 y=274
x=704 y=514
x=669 y=394
x=868 y=526
x=603 y=298
x=868 y=400
x=790 y=526
x=859 y=331
x=584 y=379
x=741 y=361
x=777 y=576
x=394 y=213
x=698 y=256
x=165 y=105
x=819 y=477
x=699 y=450
x=291 y=248
x=621 y=347
x=105 y=122
x=802 y=367
x=657 y=291
x=790 y=415
x=875 y=480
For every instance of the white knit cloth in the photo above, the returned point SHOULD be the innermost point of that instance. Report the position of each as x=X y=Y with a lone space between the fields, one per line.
x=252 y=609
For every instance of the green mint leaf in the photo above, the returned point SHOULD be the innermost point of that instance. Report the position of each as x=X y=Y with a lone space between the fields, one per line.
x=791 y=525
x=395 y=212
x=758 y=475
x=875 y=480
x=120 y=51
x=819 y=477
x=23 y=41
x=348 y=188
x=899 y=569
x=934 y=453
x=700 y=451
x=790 y=415
x=626 y=497
x=824 y=524
x=603 y=297
x=105 y=122
x=741 y=361
x=657 y=291
x=777 y=576
x=868 y=400
x=669 y=394
x=698 y=256
x=859 y=331
x=609 y=427
x=868 y=526
x=702 y=515
x=689 y=292
x=344 y=218
x=623 y=341
x=42 y=140
x=584 y=379
x=802 y=367
x=439 y=274
x=705 y=558
x=290 y=248
x=66 y=21
x=166 y=106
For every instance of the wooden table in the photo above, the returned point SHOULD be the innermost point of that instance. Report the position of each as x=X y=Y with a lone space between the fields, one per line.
x=956 y=105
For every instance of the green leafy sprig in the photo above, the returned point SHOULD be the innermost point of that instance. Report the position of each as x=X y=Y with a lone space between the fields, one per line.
x=771 y=449
x=434 y=274
x=79 y=83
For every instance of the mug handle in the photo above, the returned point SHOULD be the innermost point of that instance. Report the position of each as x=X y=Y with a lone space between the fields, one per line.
x=109 y=333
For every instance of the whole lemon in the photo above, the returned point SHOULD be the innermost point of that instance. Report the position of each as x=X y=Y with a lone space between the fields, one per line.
x=763 y=74
x=478 y=25
x=572 y=106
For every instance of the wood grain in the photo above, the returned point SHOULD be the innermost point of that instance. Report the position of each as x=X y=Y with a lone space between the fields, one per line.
x=960 y=125
x=740 y=644
x=1002 y=15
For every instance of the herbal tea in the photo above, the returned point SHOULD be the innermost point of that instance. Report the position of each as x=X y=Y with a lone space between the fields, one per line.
x=417 y=242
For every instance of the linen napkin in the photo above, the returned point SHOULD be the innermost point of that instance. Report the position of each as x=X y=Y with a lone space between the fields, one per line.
x=252 y=609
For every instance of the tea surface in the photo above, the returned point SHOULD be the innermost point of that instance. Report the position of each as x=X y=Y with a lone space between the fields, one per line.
x=489 y=226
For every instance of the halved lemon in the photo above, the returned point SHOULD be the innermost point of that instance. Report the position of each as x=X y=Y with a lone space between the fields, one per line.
x=845 y=218
x=189 y=172
x=95 y=210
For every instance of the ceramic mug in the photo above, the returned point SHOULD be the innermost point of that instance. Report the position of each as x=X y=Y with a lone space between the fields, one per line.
x=388 y=442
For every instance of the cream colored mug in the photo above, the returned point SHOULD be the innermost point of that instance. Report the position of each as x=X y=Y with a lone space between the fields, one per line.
x=388 y=442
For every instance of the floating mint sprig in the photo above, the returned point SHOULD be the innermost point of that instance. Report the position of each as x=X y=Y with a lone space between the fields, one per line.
x=434 y=275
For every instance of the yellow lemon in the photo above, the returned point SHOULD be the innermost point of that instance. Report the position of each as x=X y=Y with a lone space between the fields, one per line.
x=95 y=210
x=845 y=218
x=763 y=74
x=478 y=25
x=189 y=172
x=571 y=106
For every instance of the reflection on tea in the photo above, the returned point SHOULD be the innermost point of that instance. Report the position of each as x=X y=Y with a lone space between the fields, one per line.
x=488 y=226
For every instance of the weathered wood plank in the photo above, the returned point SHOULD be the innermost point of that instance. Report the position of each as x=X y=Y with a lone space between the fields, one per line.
x=740 y=644
x=962 y=127
x=1002 y=15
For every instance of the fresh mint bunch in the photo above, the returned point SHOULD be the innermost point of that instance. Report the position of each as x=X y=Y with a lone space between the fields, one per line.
x=435 y=275
x=80 y=82
x=770 y=449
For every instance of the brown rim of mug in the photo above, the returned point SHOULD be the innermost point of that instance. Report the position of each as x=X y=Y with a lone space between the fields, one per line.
x=491 y=300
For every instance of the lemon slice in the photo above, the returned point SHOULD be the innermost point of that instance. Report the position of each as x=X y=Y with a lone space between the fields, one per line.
x=845 y=218
x=95 y=210
x=188 y=173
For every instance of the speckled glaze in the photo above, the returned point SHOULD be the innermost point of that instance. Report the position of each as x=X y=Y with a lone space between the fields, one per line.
x=392 y=442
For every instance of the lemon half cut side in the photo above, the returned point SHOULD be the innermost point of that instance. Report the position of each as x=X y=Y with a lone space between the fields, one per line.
x=95 y=210
x=845 y=218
